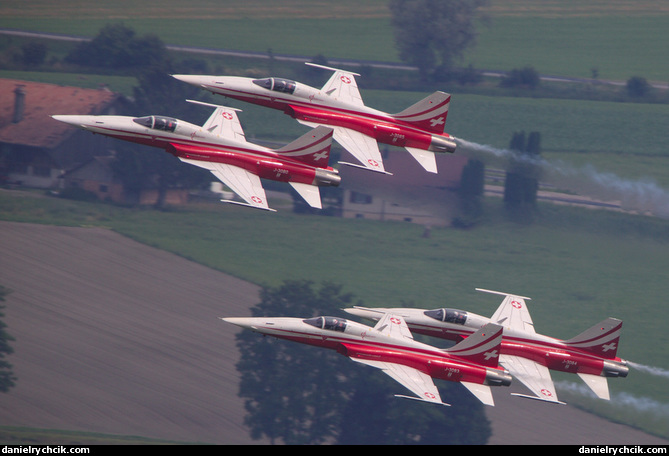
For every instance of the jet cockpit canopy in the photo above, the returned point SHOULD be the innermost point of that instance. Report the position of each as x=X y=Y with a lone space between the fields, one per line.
x=277 y=84
x=157 y=122
x=457 y=317
x=331 y=323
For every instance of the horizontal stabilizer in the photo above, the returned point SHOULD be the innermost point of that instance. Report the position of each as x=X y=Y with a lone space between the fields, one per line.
x=597 y=384
x=309 y=193
x=536 y=398
x=239 y=203
x=482 y=392
x=421 y=400
x=365 y=167
x=426 y=159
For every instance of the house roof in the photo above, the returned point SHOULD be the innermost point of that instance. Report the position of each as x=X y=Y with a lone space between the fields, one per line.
x=36 y=128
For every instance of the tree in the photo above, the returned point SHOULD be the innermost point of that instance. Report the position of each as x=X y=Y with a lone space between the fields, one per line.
x=434 y=33
x=116 y=46
x=7 y=378
x=526 y=77
x=33 y=53
x=470 y=192
x=522 y=178
x=637 y=87
x=298 y=394
x=293 y=392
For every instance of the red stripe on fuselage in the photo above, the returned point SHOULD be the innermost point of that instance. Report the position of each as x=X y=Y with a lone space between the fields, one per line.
x=364 y=122
x=436 y=363
x=554 y=355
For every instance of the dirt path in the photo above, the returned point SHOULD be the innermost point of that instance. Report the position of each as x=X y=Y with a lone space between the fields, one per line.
x=116 y=337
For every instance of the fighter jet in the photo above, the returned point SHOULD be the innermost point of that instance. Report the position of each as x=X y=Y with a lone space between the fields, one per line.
x=338 y=104
x=389 y=346
x=527 y=356
x=220 y=146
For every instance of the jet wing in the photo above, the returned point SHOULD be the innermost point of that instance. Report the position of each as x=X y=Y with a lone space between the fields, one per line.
x=393 y=326
x=364 y=148
x=342 y=86
x=512 y=313
x=223 y=122
x=533 y=375
x=244 y=183
x=414 y=380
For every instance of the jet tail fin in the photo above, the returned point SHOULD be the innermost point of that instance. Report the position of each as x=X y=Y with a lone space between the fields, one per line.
x=601 y=339
x=428 y=114
x=312 y=148
x=482 y=347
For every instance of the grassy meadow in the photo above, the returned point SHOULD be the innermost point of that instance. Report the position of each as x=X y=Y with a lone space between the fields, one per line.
x=619 y=39
x=578 y=265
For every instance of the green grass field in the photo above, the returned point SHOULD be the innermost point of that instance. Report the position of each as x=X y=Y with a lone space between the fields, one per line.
x=619 y=39
x=579 y=266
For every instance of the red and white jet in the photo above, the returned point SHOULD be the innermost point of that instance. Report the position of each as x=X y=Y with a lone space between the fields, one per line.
x=338 y=104
x=221 y=147
x=389 y=346
x=528 y=356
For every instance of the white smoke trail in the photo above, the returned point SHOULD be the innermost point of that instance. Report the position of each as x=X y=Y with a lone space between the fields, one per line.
x=658 y=371
x=643 y=196
x=621 y=400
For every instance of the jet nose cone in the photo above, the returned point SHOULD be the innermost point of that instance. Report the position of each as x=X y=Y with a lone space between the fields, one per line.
x=67 y=119
x=75 y=120
x=356 y=312
x=364 y=313
x=193 y=79
x=242 y=322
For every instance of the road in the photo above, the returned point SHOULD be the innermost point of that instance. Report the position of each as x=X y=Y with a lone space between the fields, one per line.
x=113 y=336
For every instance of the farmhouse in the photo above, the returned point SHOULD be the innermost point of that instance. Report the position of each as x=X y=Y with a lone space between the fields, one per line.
x=410 y=194
x=36 y=150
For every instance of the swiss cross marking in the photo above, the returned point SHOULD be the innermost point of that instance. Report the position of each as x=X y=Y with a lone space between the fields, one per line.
x=492 y=354
x=607 y=347
x=345 y=79
x=320 y=155
x=437 y=121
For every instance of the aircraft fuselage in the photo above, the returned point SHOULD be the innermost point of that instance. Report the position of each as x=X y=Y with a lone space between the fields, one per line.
x=308 y=104
x=550 y=352
x=359 y=341
x=195 y=143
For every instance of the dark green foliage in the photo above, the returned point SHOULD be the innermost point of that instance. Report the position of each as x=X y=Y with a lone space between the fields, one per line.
x=7 y=378
x=33 y=53
x=470 y=194
x=522 y=178
x=116 y=46
x=637 y=87
x=526 y=77
x=433 y=34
